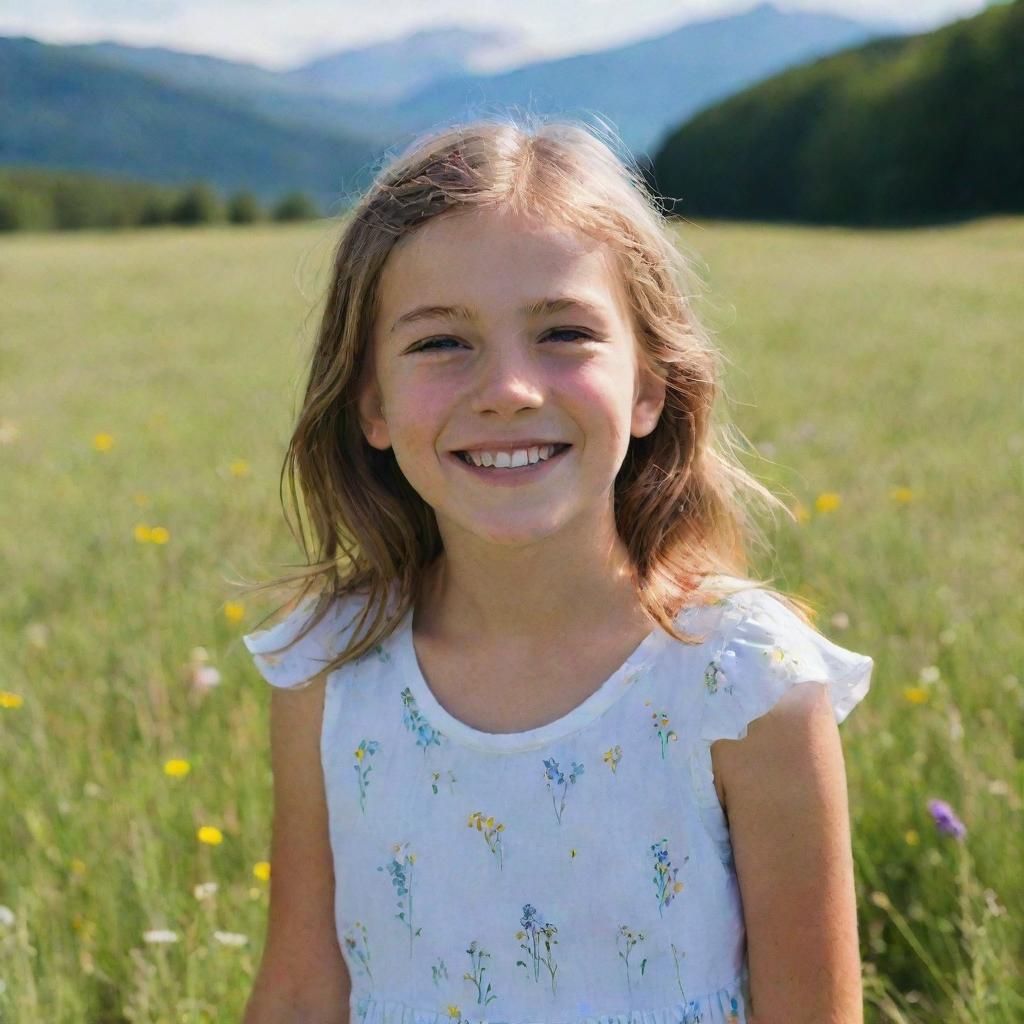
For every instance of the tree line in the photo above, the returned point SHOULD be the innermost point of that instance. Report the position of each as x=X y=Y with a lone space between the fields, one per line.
x=899 y=131
x=32 y=199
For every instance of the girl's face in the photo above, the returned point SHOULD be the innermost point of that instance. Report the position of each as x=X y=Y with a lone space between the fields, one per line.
x=477 y=346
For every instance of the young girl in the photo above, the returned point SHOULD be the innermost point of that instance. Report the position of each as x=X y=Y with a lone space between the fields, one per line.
x=543 y=752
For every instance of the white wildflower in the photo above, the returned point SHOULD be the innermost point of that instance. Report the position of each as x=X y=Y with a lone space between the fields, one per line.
x=231 y=938
x=205 y=676
x=6 y=917
x=205 y=890
x=160 y=935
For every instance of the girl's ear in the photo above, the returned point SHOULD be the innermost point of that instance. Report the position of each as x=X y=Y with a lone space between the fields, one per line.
x=370 y=405
x=648 y=400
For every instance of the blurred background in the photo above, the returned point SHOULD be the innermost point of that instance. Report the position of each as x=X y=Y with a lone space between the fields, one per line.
x=847 y=177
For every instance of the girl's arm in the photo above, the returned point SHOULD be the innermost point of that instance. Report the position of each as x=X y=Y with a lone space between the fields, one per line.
x=784 y=788
x=302 y=976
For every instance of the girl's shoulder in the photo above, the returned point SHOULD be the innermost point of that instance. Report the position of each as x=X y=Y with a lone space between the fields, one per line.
x=760 y=649
x=302 y=644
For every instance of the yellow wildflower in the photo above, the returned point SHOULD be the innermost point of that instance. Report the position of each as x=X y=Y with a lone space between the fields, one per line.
x=911 y=837
x=916 y=694
x=159 y=535
x=234 y=611
x=142 y=533
x=102 y=442
x=177 y=767
x=78 y=866
x=211 y=835
x=261 y=869
x=239 y=467
x=10 y=700
x=827 y=502
x=901 y=495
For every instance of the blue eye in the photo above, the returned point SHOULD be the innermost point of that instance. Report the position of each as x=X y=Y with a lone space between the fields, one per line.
x=436 y=342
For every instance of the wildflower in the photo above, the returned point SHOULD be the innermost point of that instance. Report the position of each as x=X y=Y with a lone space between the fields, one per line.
x=159 y=535
x=102 y=442
x=911 y=837
x=10 y=700
x=142 y=533
x=231 y=938
x=946 y=820
x=901 y=495
x=234 y=611
x=238 y=467
x=210 y=835
x=929 y=674
x=261 y=869
x=205 y=891
x=916 y=694
x=205 y=677
x=78 y=867
x=827 y=502
x=6 y=917
x=160 y=935
x=177 y=767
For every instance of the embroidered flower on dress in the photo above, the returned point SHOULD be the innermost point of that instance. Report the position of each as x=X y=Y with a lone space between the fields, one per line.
x=665 y=882
x=490 y=830
x=537 y=933
x=413 y=719
x=553 y=774
x=362 y=754
x=613 y=757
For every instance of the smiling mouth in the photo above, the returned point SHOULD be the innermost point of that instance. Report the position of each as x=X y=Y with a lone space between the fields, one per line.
x=558 y=450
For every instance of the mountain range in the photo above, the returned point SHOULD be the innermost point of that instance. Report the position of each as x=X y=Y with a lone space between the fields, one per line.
x=168 y=116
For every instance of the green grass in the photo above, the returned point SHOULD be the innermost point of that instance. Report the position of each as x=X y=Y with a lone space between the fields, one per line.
x=860 y=362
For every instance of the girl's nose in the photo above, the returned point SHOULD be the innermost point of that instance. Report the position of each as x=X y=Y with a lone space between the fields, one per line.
x=508 y=380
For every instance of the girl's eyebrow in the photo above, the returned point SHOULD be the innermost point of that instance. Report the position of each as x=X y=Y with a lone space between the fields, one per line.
x=541 y=307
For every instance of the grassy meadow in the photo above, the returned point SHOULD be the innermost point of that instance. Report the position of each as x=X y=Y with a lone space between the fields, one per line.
x=148 y=381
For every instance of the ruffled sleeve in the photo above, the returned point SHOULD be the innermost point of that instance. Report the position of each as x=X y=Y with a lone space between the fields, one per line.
x=770 y=649
x=309 y=655
x=766 y=650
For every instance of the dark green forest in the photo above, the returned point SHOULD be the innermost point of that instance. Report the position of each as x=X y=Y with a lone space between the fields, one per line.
x=898 y=131
x=32 y=199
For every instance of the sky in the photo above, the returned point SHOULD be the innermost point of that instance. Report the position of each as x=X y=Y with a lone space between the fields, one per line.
x=279 y=34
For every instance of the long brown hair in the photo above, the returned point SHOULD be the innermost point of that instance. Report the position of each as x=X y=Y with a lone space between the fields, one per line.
x=680 y=496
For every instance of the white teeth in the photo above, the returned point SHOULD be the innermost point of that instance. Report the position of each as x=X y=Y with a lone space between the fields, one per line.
x=511 y=460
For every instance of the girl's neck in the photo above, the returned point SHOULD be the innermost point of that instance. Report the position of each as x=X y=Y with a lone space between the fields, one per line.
x=534 y=597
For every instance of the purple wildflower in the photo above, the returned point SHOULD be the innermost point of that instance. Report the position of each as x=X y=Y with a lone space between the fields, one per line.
x=946 y=820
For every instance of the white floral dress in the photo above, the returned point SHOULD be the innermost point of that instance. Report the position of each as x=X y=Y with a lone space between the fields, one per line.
x=579 y=872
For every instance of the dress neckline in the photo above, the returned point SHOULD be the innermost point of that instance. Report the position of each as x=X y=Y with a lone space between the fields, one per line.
x=592 y=707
